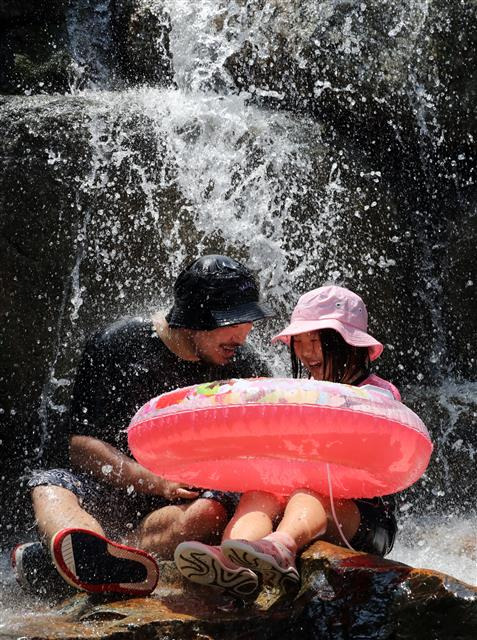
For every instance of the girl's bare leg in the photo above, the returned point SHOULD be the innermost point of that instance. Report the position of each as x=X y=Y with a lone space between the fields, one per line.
x=255 y=516
x=308 y=516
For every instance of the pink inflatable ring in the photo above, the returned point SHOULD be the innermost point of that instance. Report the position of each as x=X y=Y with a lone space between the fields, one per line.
x=282 y=434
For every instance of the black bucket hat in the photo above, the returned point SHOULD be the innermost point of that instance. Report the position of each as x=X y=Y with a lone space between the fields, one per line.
x=215 y=291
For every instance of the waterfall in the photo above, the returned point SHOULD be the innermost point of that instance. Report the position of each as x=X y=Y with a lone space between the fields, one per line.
x=90 y=41
x=229 y=157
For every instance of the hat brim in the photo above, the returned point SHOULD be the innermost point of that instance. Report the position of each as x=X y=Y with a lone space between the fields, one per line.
x=209 y=320
x=247 y=312
x=351 y=335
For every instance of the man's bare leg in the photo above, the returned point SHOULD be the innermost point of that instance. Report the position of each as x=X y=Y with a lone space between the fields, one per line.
x=57 y=508
x=162 y=530
x=81 y=558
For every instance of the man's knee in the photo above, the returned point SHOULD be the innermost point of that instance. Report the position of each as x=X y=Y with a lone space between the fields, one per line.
x=262 y=501
x=194 y=520
x=161 y=531
x=56 y=508
x=205 y=514
x=52 y=497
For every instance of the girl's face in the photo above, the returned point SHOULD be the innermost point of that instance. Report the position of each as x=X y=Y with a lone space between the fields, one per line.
x=308 y=349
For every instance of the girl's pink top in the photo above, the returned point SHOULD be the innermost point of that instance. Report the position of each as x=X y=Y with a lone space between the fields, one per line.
x=382 y=384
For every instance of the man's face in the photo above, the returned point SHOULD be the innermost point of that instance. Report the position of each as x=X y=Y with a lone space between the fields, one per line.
x=219 y=345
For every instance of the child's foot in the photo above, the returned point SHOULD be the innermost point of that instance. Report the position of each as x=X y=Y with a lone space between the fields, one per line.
x=95 y=564
x=207 y=565
x=273 y=560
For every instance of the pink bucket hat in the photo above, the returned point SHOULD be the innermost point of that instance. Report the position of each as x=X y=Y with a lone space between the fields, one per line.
x=335 y=308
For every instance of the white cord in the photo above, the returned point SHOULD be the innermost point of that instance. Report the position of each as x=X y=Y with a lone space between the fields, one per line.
x=333 y=512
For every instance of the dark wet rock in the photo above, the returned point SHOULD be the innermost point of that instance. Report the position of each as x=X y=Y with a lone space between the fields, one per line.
x=141 y=32
x=354 y=595
x=11 y=10
x=398 y=79
x=48 y=48
x=343 y=595
x=29 y=76
x=403 y=69
x=34 y=262
x=34 y=55
x=34 y=59
x=459 y=290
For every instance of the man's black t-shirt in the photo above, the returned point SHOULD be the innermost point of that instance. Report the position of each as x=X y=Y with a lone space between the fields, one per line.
x=126 y=365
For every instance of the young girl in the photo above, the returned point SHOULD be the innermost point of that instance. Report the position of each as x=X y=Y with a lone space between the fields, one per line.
x=328 y=340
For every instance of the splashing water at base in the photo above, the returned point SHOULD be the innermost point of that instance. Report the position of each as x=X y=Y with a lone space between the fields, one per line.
x=447 y=544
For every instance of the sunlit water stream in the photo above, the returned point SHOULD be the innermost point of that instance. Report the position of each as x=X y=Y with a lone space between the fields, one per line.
x=239 y=169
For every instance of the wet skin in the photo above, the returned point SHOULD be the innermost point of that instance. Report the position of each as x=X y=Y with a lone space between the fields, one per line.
x=308 y=349
x=219 y=345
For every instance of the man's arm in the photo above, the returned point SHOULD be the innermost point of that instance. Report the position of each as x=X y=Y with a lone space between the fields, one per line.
x=105 y=462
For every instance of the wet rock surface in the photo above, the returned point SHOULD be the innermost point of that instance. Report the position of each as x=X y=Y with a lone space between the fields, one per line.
x=141 y=32
x=54 y=191
x=385 y=66
x=344 y=594
x=34 y=56
x=355 y=595
x=43 y=45
x=450 y=415
x=11 y=10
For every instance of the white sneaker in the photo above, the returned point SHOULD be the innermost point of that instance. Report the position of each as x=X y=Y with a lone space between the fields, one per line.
x=207 y=565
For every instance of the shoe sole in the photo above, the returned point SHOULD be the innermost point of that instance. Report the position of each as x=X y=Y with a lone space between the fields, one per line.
x=62 y=552
x=197 y=565
x=246 y=556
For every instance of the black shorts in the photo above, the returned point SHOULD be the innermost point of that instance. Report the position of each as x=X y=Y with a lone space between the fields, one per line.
x=118 y=510
x=378 y=527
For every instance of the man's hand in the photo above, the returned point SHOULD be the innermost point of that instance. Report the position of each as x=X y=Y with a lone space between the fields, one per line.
x=159 y=486
x=174 y=490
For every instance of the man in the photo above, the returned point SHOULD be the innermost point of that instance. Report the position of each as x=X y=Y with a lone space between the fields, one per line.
x=106 y=493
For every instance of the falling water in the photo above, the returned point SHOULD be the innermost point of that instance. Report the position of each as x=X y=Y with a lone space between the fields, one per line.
x=201 y=167
x=90 y=41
